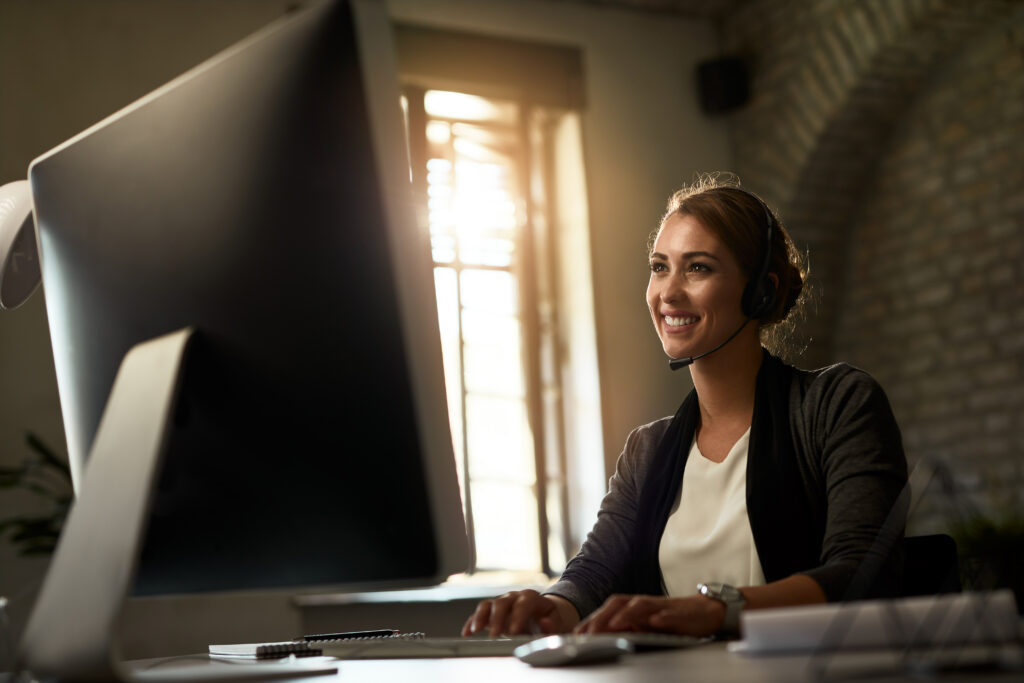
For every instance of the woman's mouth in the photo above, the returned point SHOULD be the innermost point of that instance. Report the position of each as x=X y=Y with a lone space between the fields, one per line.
x=679 y=321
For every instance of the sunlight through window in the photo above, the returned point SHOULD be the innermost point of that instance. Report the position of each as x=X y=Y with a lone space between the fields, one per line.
x=473 y=200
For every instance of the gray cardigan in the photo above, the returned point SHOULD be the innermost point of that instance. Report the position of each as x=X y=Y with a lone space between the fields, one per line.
x=849 y=465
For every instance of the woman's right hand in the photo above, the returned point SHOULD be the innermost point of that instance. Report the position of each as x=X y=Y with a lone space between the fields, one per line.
x=525 y=611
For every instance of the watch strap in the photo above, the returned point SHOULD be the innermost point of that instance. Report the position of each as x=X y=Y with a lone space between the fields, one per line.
x=732 y=598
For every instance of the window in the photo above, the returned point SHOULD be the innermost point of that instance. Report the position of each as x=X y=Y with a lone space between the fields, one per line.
x=496 y=160
x=473 y=170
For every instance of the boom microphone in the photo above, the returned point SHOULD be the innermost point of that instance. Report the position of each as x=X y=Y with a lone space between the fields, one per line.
x=676 y=363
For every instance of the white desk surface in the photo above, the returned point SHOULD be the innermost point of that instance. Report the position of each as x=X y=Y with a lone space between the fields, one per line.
x=703 y=664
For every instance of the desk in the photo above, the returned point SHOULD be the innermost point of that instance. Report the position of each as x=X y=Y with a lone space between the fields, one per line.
x=703 y=664
x=708 y=663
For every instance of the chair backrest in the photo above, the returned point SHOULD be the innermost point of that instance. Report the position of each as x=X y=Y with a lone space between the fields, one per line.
x=930 y=565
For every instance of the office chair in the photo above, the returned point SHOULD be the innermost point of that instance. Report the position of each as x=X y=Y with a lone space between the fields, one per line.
x=930 y=565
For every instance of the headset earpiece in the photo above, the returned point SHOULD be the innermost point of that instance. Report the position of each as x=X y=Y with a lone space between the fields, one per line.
x=758 y=298
x=759 y=294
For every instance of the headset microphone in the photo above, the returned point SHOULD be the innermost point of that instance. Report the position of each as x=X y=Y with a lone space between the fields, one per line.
x=758 y=296
x=677 y=363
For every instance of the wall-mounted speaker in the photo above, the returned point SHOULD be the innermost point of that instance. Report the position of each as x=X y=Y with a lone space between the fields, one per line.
x=723 y=84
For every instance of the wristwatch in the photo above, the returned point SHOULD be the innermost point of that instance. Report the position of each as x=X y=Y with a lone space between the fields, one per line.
x=733 y=600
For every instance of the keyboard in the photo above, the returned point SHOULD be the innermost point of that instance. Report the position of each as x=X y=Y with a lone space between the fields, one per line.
x=430 y=647
x=423 y=647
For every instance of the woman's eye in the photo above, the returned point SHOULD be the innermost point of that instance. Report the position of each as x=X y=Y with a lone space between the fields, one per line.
x=658 y=267
x=698 y=267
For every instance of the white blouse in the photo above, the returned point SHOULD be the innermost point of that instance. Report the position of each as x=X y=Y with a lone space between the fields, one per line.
x=707 y=536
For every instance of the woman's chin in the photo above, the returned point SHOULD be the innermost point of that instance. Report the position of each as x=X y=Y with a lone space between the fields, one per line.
x=674 y=351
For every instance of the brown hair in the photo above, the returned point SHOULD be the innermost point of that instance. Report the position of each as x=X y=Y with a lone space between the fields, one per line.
x=737 y=217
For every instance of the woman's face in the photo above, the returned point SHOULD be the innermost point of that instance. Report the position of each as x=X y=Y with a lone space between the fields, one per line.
x=695 y=288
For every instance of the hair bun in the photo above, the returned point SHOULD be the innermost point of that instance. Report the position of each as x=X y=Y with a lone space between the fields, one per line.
x=796 y=288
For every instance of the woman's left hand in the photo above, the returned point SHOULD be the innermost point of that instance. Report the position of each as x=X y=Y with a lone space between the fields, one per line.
x=693 y=615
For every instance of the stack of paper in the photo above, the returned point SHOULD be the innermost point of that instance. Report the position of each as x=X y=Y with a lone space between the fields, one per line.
x=929 y=621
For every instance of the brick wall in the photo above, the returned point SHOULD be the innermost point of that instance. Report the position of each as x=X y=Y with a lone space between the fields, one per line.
x=890 y=135
x=830 y=79
x=934 y=295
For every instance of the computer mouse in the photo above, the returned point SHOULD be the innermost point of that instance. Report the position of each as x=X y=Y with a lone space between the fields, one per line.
x=563 y=650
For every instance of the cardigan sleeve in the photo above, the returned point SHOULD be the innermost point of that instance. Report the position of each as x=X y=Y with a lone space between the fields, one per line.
x=850 y=435
x=598 y=570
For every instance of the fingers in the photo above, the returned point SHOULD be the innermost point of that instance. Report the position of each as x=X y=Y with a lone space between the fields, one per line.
x=598 y=620
x=636 y=615
x=528 y=612
x=512 y=613
x=478 y=618
x=499 y=614
x=527 y=609
x=668 y=620
x=548 y=625
x=692 y=616
x=622 y=613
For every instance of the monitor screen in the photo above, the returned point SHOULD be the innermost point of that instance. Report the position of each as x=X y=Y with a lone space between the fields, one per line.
x=263 y=199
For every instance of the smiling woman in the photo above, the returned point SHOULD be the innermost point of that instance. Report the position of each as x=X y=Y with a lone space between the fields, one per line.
x=695 y=288
x=771 y=486
x=745 y=226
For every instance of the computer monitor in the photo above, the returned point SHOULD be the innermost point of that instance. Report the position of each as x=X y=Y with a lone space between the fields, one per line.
x=262 y=200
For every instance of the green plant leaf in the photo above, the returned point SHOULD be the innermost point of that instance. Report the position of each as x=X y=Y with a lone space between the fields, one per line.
x=47 y=475
x=27 y=529
x=48 y=455
x=39 y=490
x=10 y=476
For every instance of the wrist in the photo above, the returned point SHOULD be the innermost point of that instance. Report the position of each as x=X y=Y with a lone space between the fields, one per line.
x=716 y=613
x=565 y=614
x=728 y=601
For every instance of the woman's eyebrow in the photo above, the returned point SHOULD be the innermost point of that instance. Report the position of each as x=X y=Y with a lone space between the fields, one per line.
x=700 y=254
x=657 y=255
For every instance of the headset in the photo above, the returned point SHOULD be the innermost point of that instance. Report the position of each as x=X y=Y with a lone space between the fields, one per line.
x=759 y=294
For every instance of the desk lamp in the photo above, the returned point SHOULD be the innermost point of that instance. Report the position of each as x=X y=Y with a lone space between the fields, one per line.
x=19 y=258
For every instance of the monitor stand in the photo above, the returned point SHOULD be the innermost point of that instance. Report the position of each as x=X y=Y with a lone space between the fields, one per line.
x=71 y=634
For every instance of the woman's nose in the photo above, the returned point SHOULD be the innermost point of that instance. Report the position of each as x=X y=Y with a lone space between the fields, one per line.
x=672 y=290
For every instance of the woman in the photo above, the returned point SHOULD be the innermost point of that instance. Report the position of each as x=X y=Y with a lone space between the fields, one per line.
x=771 y=486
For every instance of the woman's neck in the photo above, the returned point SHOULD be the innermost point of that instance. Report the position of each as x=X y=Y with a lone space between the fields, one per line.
x=725 y=382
